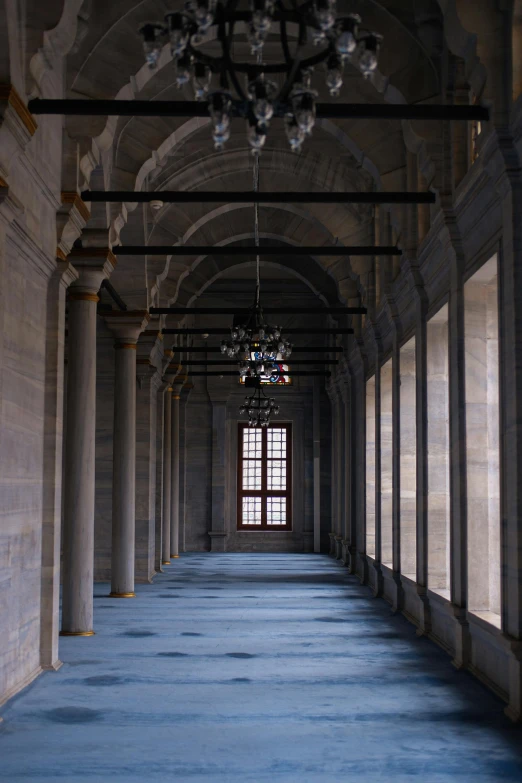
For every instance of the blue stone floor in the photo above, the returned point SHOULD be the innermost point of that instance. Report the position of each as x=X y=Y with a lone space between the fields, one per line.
x=246 y=668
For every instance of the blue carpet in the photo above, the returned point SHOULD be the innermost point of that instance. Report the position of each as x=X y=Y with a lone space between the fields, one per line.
x=248 y=668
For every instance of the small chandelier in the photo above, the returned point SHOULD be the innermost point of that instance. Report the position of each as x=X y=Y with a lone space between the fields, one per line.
x=255 y=96
x=259 y=408
x=256 y=344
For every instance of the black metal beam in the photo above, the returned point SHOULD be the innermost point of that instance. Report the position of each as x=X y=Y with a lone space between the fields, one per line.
x=324 y=373
x=251 y=250
x=266 y=310
x=221 y=362
x=295 y=349
x=114 y=294
x=331 y=111
x=252 y=197
x=286 y=329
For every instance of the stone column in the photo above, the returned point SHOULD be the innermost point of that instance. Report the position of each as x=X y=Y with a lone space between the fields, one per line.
x=52 y=477
x=158 y=537
x=148 y=365
x=175 y=466
x=346 y=468
x=126 y=327
x=182 y=464
x=93 y=265
x=333 y=467
x=339 y=470
x=167 y=476
x=218 y=534
x=317 y=463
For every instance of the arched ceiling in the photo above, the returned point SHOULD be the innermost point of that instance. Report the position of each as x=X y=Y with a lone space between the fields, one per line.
x=169 y=153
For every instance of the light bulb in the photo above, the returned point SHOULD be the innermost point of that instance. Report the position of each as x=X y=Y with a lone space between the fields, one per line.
x=294 y=134
x=368 y=54
x=151 y=34
x=220 y=138
x=204 y=14
x=347 y=32
x=304 y=111
x=256 y=138
x=219 y=107
x=334 y=76
x=183 y=71
x=325 y=14
x=177 y=33
x=201 y=81
x=255 y=39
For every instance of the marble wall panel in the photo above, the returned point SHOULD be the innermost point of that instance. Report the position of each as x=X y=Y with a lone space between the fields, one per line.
x=198 y=471
x=438 y=453
x=489 y=660
x=370 y=467
x=408 y=460
x=482 y=439
x=386 y=460
x=22 y=385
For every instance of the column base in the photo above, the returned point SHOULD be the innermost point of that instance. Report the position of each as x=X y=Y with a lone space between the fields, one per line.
x=174 y=555
x=76 y=633
x=165 y=562
x=122 y=595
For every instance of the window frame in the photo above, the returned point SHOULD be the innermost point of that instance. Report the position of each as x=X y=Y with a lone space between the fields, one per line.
x=264 y=492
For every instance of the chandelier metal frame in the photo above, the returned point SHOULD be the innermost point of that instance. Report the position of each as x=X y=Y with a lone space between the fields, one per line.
x=260 y=99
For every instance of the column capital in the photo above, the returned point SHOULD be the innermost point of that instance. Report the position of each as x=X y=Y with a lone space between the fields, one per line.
x=126 y=326
x=93 y=266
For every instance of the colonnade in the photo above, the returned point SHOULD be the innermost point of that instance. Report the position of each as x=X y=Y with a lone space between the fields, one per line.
x=419 y=412
x=93 y=266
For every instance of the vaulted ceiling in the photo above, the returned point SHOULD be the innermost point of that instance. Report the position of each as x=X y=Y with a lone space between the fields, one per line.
x=169 y=153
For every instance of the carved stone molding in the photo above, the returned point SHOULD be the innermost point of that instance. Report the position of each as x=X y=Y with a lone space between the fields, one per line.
x=9 y=99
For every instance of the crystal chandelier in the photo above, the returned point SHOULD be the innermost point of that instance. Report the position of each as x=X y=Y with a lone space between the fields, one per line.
x=259 y=408
x=257 y=345
x=245 y=89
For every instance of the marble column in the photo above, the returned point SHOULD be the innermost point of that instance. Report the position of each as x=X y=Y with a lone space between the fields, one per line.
x=167 y=476
x=64 y=275
x=177 y=386
x=126 y=327
x=148 y=366
x=182 y=464
x=93 y=265
x=317 y=463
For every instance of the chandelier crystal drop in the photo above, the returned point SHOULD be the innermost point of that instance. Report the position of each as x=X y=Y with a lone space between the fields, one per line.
x=247 y=89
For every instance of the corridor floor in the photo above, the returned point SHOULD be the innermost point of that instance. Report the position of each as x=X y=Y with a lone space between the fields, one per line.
x=251 y=668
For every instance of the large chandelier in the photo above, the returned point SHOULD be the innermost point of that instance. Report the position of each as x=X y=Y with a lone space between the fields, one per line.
x=259 y=408
x=257 y=345
x=246 y=89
